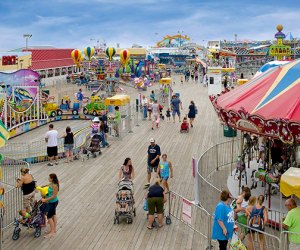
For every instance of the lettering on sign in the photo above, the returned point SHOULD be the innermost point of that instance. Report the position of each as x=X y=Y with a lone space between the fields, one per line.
x=244 y=124
x=9 y=60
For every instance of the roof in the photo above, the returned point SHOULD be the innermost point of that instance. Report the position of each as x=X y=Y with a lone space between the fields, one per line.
x=134 y=51
x=50 y=58
x=32 y=47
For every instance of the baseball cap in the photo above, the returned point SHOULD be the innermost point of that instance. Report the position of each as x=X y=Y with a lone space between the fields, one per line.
x=152 y=140
x=96 y=119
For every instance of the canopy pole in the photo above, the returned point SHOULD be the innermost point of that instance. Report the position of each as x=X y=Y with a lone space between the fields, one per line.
x=269 y=167
x=241 y=153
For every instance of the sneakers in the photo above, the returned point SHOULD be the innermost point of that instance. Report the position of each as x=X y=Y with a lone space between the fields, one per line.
x=147 y=185
x=56 y=163
x=50 y=164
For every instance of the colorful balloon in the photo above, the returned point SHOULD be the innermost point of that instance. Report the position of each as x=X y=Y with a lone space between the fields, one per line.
x=89 y=52
x=124 y=56
x=76 y=56
x=110 y=52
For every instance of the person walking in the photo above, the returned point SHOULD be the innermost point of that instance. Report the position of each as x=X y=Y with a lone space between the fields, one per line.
x=68 y=144
x=164 y=171
x=192 y=112
x=153 y=160
x=152 y=96
x=223 y=224
x=155 y=114
x=117 y=121
x=104 y=129
x=258 y=213
x=196 y=76
x=292 y=223
x=149 y=107
x=51 y=201
x=144 y=103
x=27 y=184
x=176 y=104
x=126 y=171
x=51 y=140
x=156 y=198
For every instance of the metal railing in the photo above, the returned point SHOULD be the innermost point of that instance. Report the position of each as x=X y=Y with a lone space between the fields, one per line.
x=200 y=221
x=36 y=151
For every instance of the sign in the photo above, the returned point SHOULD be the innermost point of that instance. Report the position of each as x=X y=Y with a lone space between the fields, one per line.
x=215 y=71
x=187 y=211
x=280 y=50
x=9 y=60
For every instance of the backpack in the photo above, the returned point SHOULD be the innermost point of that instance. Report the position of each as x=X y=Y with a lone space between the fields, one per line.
x=257 y=219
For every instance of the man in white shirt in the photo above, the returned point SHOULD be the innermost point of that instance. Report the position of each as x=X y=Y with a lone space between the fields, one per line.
x=51 y=139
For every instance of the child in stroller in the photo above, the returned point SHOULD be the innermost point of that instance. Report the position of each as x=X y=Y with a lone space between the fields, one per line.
x=94 y=146
x=184 y=127
x=125 y=202
x=30 y=220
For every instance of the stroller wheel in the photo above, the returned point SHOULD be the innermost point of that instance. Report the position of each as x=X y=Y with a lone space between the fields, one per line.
x=168 y=220
x=134 y=212
x=16 y=234
x=129 y=220
x=100 y=152
x=94 y=155
x=38 y=232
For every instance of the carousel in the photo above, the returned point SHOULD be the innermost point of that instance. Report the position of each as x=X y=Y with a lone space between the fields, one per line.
x=267 y=112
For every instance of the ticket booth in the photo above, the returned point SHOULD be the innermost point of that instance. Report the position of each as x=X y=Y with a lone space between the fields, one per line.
x=214 y=80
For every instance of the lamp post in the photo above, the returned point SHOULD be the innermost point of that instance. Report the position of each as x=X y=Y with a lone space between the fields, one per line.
x=27 y=36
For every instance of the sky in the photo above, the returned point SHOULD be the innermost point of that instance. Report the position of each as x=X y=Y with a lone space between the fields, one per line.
x=80 y=23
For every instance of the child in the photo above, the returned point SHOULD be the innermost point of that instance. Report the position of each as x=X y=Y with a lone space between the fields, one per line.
x=168 y=114
x=122 y=204
x=95 y=125
x=184 y=124
x=25 y=216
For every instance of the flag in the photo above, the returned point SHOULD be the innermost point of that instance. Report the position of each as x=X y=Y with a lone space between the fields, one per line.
x=291 y=37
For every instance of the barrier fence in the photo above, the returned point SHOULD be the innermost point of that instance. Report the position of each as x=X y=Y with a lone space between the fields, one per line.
x=214 y=167
x=12 y=198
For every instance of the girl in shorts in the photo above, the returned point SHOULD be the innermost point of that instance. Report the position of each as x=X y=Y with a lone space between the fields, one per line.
x=164 y=171
x=51 y=201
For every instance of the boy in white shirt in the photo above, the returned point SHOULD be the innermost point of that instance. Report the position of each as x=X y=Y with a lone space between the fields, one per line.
x=51 y=139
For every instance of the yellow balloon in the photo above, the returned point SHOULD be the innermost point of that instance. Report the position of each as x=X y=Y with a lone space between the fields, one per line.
x=76 y=56
x=124 y=57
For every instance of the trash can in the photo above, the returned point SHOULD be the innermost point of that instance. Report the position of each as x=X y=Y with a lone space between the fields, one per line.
x=229 y=132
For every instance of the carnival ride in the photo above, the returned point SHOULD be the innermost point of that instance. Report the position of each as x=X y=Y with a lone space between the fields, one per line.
x=173 y=41
x=94 y=107
x=267 y=106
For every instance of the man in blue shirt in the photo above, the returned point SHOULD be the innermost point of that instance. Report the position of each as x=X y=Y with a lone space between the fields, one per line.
x=153 y=160
x=79 y=96
x=176 y=104
x=223 y=221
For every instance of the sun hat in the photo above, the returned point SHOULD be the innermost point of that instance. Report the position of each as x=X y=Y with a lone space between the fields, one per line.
x=152 y=140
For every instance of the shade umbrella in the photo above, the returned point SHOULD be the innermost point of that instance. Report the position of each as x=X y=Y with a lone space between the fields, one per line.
x=268 y=105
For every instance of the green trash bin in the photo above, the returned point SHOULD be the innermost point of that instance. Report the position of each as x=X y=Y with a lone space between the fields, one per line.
x=229 y=132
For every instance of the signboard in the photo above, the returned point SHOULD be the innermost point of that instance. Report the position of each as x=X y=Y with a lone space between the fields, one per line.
x=187 y=211
x=9 y=60
x=280 y=50
x=214 y=71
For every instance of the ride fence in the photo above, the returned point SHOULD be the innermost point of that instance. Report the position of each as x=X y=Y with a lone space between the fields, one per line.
x=36 y=151
x=12 y=198
x=214 y=167
x=287 y=242
x=194 y=221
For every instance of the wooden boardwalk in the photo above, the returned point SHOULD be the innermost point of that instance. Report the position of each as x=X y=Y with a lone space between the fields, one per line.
x=87 y=195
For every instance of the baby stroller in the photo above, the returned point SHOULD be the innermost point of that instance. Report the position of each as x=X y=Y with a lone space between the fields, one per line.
x=35 y=221
x=94 y=146
x=184 y=127
x=125 y=202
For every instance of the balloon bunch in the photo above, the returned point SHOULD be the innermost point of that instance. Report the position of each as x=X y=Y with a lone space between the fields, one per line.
x=78 y=56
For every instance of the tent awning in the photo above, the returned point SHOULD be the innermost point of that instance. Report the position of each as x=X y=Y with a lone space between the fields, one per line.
x=290 y=182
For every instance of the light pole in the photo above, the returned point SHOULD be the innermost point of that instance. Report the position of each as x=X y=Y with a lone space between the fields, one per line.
x=27 y=36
